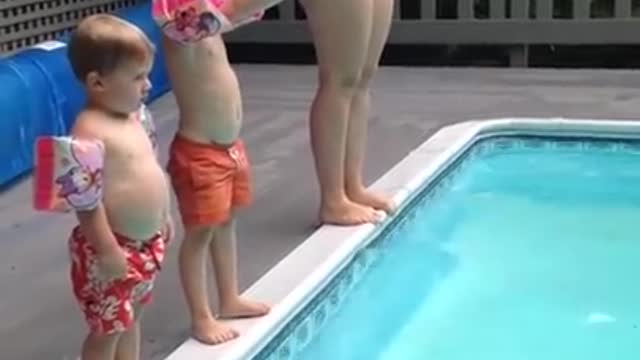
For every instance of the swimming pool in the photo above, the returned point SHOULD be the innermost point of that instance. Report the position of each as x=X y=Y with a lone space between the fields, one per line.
x=514 y=238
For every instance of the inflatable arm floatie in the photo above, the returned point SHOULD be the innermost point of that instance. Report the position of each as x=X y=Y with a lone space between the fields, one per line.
x=193 y=20
x=67 y=174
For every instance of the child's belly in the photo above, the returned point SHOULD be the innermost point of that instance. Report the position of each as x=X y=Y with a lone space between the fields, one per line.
x=207 y=92
x=212 y=111
x=136 y=203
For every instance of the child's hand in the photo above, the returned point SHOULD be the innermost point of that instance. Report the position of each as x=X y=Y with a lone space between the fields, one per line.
x=113 y=265
x=168 y=232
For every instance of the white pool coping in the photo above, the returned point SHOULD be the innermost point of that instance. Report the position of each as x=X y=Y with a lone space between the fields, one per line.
x=291 y=283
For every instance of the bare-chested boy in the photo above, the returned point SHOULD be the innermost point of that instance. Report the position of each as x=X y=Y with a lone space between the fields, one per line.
x=118 y=246
x=210 y=173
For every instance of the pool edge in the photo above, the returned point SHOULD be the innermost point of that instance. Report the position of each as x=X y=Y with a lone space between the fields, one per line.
x=304 y=271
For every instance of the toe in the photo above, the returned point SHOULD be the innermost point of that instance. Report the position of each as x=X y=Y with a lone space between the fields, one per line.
x=265 y=309
x=231 y=334
x=379 y=216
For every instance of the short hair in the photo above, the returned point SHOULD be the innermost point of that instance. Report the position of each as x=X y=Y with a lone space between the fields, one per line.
x=104 y=42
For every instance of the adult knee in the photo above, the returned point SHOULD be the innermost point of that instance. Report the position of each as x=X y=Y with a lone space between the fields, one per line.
x=366 y=77
x=344 y=82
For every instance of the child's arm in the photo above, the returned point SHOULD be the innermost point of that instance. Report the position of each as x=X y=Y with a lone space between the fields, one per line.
x=205 y=17
x=239 y=10
x=149 y=125
x=169 y=227
x=95 y=225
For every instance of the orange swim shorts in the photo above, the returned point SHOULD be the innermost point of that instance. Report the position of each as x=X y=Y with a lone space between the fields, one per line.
x=108 y=305
x=209 y=180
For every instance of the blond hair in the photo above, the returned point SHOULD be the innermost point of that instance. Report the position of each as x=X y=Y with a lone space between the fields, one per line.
x=101 y=43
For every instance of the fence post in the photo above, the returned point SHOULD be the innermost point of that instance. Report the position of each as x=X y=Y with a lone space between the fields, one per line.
x=396 y=8
x=581 y=9
x=519 y=54
x=287 y=10
x=427 y=9
x=544 y=9
x=622 y=9
x=520 y=9
x=496 y=9
x=465 y=9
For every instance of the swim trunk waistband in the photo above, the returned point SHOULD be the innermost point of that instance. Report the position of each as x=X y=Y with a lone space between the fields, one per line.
x=212 y=144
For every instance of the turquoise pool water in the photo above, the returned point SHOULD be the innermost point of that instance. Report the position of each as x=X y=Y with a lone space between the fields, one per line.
x=528 y=249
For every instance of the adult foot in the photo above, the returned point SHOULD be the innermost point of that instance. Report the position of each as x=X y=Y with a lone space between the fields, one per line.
x=349 y=213
x=243 y=308
x=212 y=332
x=376 y=200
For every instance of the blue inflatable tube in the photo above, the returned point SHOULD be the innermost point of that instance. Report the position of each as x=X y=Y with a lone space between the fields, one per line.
x=29 y=109
x=65 y=88
x=39 y=94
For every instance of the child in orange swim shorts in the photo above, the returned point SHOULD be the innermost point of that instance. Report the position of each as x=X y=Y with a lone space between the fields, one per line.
x=210 y=172
x=119 y=245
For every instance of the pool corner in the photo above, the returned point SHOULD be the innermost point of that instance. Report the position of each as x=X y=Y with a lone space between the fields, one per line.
x=297 y=278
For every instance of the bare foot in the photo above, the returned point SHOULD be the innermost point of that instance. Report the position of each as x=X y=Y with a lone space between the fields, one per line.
x=212 y=332
x=243 y=308
x=349 y=213
x=376 y=200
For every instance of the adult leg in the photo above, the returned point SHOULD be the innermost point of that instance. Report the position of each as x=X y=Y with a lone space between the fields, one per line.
x=224 y=258
x=341 y=35
x=359 y=115
x=192 y=265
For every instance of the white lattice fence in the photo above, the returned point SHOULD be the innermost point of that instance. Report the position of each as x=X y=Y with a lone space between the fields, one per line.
x=27 y=22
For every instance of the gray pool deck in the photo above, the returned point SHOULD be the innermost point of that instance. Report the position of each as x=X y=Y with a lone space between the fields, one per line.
x=38 y=319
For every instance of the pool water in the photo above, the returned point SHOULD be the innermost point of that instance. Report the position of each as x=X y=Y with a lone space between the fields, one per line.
x=528 y=249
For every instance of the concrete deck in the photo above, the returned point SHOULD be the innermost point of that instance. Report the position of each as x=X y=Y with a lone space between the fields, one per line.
x=38 y=318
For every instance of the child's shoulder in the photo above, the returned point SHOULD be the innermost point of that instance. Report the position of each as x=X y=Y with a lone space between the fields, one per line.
x=89 y=123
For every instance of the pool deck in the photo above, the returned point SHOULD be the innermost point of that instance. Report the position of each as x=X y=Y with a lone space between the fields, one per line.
x=39 y=319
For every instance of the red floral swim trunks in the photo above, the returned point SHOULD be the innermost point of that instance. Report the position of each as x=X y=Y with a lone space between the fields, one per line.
x=108 y=306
